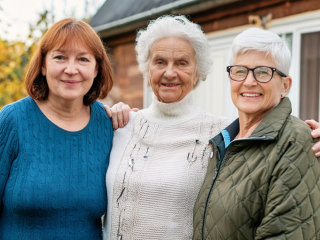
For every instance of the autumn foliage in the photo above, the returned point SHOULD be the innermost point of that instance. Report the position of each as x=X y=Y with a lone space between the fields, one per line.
x=14 y=58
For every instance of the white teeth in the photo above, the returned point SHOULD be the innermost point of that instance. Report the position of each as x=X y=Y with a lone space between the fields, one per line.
x=169 y=85
x=251 y=94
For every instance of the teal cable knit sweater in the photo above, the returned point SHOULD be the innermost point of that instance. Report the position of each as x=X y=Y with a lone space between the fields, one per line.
x=52 y=181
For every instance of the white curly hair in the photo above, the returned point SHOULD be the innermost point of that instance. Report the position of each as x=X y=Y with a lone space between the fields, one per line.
x=174 y=26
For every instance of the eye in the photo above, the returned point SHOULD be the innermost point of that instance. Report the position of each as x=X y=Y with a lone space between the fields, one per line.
x=159 y=62
x=182 y=63
x=83 y=59
x=59 y=57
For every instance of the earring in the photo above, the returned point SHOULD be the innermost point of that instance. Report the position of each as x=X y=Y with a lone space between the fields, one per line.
x=281 y=95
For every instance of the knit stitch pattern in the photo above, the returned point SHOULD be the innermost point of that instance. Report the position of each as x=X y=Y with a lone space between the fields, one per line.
x=160 y=174
x=52 y=181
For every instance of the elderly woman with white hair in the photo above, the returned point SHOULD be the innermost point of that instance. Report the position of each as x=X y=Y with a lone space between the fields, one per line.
x=159 y=159
x=264 y=180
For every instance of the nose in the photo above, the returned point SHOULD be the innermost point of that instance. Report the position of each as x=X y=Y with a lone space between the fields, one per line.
x=250 y=80
x=170 y=72
x=71 y=68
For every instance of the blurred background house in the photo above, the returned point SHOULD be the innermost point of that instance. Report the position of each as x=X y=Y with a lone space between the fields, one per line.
x=296 y=21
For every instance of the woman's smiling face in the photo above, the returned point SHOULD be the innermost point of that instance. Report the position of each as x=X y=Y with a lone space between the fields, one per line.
x=251 y=97
x=172 y=69
x=70 y=72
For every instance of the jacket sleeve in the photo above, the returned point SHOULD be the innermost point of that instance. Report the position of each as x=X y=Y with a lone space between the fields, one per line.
x=8 y=145
x=293 y=199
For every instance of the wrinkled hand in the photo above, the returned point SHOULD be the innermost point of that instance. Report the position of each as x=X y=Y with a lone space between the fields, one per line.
x=315 y=126
x=120 y=114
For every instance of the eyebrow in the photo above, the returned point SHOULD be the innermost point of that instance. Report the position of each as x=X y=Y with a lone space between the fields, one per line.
x=64 y=51
x=161 y=55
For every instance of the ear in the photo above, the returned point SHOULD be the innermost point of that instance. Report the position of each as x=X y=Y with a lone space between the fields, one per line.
x=286 y=85
x=195 y=80
x=43 y=70
x=96 y=70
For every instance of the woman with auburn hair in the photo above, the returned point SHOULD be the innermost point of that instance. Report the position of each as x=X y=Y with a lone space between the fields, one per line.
x=55 y=143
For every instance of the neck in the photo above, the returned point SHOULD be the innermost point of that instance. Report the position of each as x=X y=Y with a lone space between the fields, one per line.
x=69 y=115
x=172 y=113
x=248 y=123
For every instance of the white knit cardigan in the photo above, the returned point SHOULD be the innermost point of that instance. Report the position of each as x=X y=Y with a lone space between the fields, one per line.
x=157 y=165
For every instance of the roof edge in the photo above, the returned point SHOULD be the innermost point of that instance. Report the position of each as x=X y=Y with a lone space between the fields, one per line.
x=143 y=15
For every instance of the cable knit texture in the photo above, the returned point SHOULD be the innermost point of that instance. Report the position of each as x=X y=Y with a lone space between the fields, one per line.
x=159 y=170
x=51 y=180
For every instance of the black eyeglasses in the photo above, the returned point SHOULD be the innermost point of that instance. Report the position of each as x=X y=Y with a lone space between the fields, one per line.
x=262 y=74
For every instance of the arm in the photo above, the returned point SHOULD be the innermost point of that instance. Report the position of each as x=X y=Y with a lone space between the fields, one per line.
x=292 y=205
x=120 y=114
x=8 y=145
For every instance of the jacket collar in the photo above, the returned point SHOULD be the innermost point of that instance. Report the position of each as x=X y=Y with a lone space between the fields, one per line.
x=274 y=120
x=270 y=126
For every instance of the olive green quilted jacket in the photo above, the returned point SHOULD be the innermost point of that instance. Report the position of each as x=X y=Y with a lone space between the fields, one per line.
x=266 y=186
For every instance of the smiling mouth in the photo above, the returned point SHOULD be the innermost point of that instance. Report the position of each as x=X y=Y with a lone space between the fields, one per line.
x=169 y=84
x=70 y=82
x=251 y=94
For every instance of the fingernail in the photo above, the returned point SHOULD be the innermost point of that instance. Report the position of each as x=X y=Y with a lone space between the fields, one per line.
x=313 y=133
x=313 y=148
x=317 y=154
x=125 y=123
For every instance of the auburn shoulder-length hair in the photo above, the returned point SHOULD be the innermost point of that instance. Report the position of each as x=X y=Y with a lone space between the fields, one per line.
x=62 y=34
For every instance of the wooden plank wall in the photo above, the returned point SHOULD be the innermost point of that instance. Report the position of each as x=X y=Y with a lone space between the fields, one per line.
x=128 y=86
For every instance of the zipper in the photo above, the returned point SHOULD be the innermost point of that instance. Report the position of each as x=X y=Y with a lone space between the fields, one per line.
x=211 y=188
x=263 y=138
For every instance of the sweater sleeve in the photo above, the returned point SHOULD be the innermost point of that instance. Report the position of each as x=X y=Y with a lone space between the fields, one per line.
x=293 y=199
x=8 y=145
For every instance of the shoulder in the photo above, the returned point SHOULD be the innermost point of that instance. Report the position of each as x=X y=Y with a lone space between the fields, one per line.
x=21 y=104
x=99 y=110
x=217 y=121
x=8 y=125
x=297 y=130
x=120 y=132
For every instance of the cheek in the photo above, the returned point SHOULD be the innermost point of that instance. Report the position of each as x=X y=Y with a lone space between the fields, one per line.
x=234 y=87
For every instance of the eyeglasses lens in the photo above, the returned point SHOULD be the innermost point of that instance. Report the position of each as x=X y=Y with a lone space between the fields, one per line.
x=238 y=73
x=263 y=74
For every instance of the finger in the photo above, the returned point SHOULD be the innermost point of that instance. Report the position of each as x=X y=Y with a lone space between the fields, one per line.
x=135 y=109
x=114 y=118
x=316 y=149
x=126 y=109
x=315 y=133
x=107 y=108
x=121 y=104
x=120 y=116
x=313 y=124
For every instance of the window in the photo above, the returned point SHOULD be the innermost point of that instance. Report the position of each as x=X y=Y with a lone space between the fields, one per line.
x=309 y=76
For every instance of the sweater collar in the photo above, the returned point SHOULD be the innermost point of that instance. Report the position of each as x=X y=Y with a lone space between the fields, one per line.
x=172 y=113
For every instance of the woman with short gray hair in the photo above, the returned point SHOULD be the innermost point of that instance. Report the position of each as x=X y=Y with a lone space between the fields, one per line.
x=263 y=181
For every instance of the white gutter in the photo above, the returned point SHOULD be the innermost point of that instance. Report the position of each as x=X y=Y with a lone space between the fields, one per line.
x=142 y=15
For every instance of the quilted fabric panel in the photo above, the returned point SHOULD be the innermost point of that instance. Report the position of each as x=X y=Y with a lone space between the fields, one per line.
x=264 y=190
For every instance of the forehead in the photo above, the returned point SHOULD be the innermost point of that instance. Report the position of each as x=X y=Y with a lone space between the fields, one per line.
x=254 y=59
x=71 y=44
x=172 y=45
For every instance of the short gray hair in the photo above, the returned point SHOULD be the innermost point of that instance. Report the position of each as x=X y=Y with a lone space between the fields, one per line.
x=174 y=26
x=256 y=39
